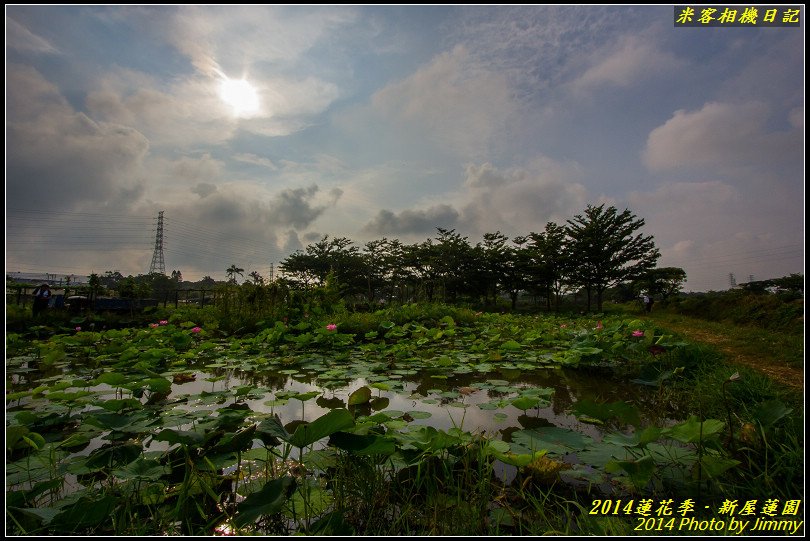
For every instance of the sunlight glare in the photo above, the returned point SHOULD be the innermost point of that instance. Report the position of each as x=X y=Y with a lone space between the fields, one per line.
x=241 y=96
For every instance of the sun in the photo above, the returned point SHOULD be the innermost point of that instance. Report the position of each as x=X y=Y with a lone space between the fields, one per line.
x=240 y=95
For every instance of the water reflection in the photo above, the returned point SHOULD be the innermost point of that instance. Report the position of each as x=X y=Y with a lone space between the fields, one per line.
x=474 y=400
x=462 y=400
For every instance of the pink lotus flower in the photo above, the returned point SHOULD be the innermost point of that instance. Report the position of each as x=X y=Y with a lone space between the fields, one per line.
x=331 y=327
x=78 y=329
x=563 y=326
x=196 y=329
x=153 y=325
x=638 y=333
x=600 y=326
x=164 y=322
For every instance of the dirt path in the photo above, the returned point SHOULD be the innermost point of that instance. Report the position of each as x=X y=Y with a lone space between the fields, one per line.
x=787 y=375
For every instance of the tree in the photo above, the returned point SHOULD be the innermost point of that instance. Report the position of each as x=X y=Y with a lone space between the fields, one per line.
x=133 y=287
x=159 y=285
x=336 y=256
x=299 y=269
x=452 y=259
x=232 y=271
x=793 y=283
x=518 y=263
x=177 y=276
x=111 y=279
x=419 y=262
x=377 y=267
x=489 y=269
x=549 y=262
x=605 y=250
x=94 y=284
x=664 y=281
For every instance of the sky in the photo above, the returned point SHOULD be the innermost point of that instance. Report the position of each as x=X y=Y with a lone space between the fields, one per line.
x=258 y=130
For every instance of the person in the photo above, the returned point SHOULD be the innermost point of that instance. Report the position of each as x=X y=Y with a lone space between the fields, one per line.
x=648 y=302
x=42 y=296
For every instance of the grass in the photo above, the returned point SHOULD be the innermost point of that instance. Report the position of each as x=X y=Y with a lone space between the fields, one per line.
x=770 y=346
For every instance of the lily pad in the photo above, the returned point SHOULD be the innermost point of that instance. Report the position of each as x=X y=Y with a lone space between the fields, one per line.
x=360 y=396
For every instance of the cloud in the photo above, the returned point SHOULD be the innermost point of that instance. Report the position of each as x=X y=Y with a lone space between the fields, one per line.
x=240 y=223
x=204 y=168
x=231 y=38
x=513 y=200
x=189 y=111
x=453 y=102
x=521 y=199
x=204 y=189
x=539 y=47
x=413 y=221
x=268 y=46
x=283 y=97
x=721 y=135
x=296 y=207
x=253 y=159
x=185 y=114
x=632 y=59
x=22 y=39
x=50 y=146
x=291 y=242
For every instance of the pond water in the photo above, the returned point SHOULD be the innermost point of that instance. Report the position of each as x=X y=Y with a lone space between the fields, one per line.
x=477 y=398
x=479 y=403
x=472 y=402
x=476 y=402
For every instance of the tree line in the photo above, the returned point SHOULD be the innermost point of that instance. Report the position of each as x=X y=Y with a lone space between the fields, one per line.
x=596 y=250
x=592 y=252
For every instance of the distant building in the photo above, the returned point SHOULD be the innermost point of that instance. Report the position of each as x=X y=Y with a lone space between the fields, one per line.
x=47 y=278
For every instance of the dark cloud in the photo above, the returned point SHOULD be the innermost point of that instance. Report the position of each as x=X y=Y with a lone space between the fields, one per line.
x=514 y=200
x=221 y=210
x=413 y=221
x=296 y=208
x=518 y=200
x=312 y=236
x=291 y=243
x=58 y=158
x=204 y=189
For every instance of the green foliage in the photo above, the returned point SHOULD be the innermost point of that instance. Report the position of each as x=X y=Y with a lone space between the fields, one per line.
x=661 y=282
x=767 y=311
x=606 y=250
x=242 y=309
x=197 y=464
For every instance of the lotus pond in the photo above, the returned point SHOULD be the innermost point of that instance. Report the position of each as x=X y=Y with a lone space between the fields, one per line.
x=416 y=427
